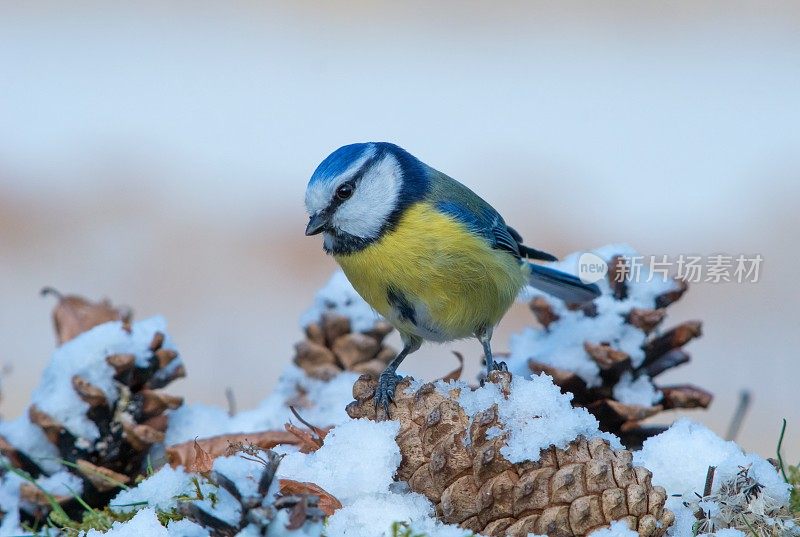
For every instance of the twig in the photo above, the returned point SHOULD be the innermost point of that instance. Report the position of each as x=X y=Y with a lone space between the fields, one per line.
x=709 y=481
x=745 y=399
x=778 y=450
x=47 y=290
x=316 y=430
x=231 y=398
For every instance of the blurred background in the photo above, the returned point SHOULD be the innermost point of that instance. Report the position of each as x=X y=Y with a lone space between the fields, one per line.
x=157 y=154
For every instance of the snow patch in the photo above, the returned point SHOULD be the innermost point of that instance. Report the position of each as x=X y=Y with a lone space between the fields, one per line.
x=617 y=529
x=159 y=491
x=358 y=458
x=339 y=296
x=536 y=416
x=639 y=391
x=373 y=516
x=145 y=522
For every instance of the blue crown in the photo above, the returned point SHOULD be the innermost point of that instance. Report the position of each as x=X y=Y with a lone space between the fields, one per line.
x=416 y=180
x=338 y=161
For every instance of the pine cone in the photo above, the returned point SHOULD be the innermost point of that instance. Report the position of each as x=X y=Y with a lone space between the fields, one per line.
x=662 y=351
x=128 y=410
x=331 y=347
x=450 y=459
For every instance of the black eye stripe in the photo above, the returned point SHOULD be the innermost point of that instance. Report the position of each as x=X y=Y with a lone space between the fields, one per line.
x=336 y=201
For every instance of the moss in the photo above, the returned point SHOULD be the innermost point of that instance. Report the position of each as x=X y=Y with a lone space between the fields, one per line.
x=96 y=519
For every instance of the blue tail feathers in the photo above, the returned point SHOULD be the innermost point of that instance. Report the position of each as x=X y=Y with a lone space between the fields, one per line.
x=562 y=285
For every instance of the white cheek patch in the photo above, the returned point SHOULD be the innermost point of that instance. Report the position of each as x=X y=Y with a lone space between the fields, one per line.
x=317 y=197
x=374 y=199
x=320 y=193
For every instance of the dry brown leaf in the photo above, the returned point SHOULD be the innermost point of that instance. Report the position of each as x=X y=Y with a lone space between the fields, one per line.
x=31 y=493
x=74 y=314
x=103 y=479
x=202 y=462
x=307 y=441
x=184 y=454
x=327 y=502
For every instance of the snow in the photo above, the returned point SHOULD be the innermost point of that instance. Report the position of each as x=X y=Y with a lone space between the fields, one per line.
x=373 y=515
x=62 y=483
x=29 y=439
x=186 y=528
x=243 y=471
x=639 y=391
x=561 y=345
x=358 y=457
x=223 y=505
x=9 y=505
x=159 y=491
x=338 y=296
x=431 y=527
x=327 y=407
x=145 y=522
x=164 y=489
x=277 y=528
x=86 y=356
x=679 y=459
x=360 y=474
x=555 y=423
x=190 y=421
x=617 y=529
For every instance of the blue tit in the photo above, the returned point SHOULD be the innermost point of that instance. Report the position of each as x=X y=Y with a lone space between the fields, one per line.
x=427 y=253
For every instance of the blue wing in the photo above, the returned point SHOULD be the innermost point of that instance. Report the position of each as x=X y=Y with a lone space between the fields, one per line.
x=456 y=200
x=483 y=221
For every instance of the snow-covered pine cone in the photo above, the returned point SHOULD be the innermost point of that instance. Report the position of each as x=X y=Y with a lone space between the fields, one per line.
x=331 y=346
x=610 y=394
x=450 y=458
x=99 y=404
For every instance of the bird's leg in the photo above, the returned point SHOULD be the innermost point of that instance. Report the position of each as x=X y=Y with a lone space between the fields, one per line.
x=485 y=337
x=387 y=381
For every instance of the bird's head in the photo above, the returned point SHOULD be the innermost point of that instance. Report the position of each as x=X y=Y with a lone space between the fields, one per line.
x=359 y=191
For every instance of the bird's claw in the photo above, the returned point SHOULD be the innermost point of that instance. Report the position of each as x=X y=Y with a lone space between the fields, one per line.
x=498 y=366
x=384 y=392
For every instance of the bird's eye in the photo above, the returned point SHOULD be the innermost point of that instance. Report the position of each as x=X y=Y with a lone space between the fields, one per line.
x=344 y=191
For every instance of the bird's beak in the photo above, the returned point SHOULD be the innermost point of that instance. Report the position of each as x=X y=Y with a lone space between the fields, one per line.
x=316 y=224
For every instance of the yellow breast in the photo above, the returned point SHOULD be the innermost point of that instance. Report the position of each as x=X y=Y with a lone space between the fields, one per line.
x=456 y=281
